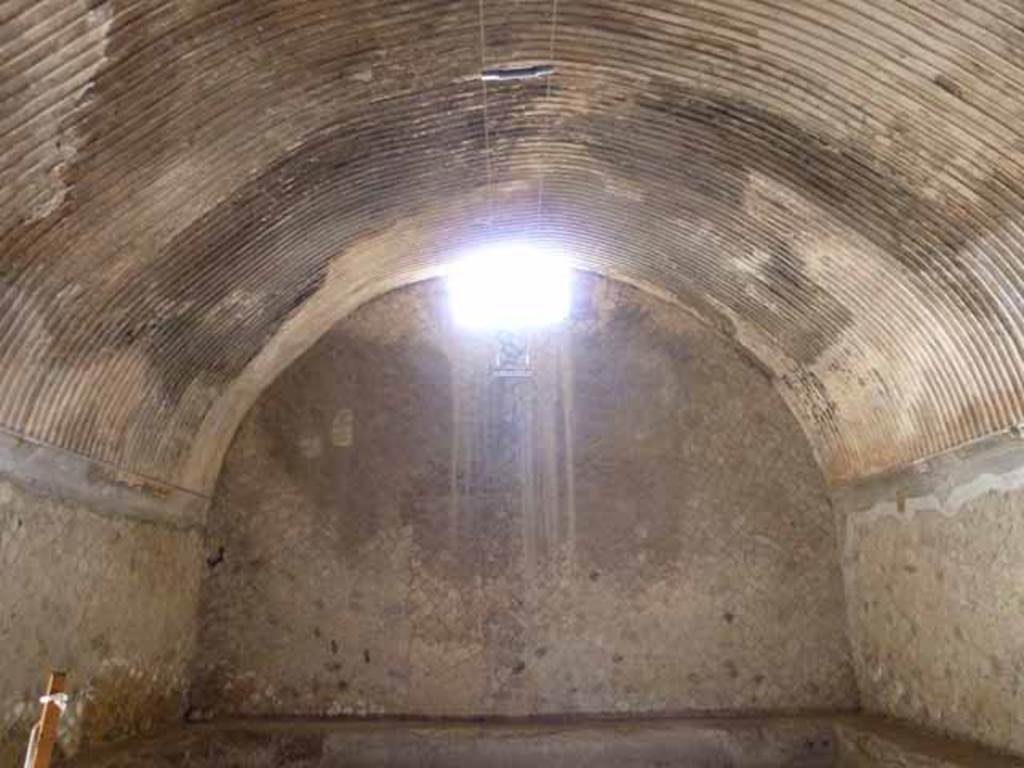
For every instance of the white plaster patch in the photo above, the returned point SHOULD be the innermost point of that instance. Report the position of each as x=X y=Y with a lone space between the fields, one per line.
x=948 y=503
x=42 y=143
x=343 y=428
x=882 y=375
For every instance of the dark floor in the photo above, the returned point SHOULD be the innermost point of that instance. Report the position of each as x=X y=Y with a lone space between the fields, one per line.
x=810 y=742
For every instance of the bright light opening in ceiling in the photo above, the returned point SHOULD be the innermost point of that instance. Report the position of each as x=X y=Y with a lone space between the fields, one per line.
x=509 y=286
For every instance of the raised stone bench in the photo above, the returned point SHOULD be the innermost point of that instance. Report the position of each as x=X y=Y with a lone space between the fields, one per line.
x=845 y=742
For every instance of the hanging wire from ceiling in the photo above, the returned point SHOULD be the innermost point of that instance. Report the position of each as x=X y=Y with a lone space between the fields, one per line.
x=547 y=97
x=487 y=135
x=499 y=74
x=506 y=74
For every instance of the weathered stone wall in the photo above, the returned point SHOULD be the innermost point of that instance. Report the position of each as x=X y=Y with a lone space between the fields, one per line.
x=101 y=579
x=933 y=558
x=638 y=525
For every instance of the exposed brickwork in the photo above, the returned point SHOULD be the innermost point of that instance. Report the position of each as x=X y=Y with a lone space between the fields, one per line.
x=192 y=192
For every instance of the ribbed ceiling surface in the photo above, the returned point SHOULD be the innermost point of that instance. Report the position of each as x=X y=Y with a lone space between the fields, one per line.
x=192 y=191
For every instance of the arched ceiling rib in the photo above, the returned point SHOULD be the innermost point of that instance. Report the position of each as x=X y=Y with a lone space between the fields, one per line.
x=191 y=192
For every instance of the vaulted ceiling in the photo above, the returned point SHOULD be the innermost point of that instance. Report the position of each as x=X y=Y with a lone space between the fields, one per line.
x=191 y=192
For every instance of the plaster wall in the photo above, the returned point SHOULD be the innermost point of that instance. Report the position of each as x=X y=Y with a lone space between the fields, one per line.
x=98 y=578
x=636 y=525
x=933 y=558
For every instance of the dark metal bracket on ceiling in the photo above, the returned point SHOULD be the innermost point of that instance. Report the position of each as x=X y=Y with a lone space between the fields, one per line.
x=505 y=74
